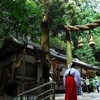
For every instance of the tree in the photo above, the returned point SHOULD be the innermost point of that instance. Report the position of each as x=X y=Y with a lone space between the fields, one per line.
x=20 y=18
x=87 y=14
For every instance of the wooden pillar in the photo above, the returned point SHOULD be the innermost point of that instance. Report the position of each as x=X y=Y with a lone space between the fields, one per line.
x=68 y=49
x=23 y=68
x=13 y=67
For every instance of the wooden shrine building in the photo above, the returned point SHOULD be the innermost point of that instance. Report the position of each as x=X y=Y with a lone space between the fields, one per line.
x=26 y=63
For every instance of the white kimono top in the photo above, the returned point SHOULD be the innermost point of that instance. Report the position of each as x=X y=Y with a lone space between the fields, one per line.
x=73 y=72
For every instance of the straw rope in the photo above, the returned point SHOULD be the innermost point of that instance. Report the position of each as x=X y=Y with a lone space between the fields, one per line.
x=89 y=26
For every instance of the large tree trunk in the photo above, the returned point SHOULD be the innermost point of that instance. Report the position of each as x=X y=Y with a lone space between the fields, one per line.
x=45 y=37
x=45 y=29
x=45 y=41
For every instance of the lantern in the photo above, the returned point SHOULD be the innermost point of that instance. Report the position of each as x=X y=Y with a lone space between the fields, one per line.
x=54 y=63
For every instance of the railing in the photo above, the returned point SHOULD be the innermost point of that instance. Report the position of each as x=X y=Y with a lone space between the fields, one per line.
x=45 y=91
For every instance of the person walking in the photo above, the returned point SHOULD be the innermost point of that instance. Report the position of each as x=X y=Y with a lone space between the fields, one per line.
x=87 y=84
x=71 y=80
x=97 y=84
x=82 y=85
x=11 y=90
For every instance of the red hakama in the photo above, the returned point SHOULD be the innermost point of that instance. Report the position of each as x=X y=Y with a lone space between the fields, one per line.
x=71 y=90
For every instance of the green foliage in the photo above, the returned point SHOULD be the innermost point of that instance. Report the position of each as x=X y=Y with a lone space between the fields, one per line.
x=57 y=43
x=87 y=14
x=86 y=53
x=72 y=11
x=34 y=13
x=96 y=36
x=20 y=18
x=56 y=11
x=92 y=84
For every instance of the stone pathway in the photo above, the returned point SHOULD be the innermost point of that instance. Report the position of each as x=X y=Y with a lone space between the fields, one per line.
x=85 y=96
x=90 y=96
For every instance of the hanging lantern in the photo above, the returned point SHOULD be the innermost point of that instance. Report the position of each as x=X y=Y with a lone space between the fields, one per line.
x=54 y=63
x=80 y=43
x=91 y=41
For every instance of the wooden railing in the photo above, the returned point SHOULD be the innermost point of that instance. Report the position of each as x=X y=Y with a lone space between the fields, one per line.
x=45 y=91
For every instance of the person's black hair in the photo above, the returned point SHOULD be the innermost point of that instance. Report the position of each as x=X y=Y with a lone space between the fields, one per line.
x=10 y=86
x=73 y=65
